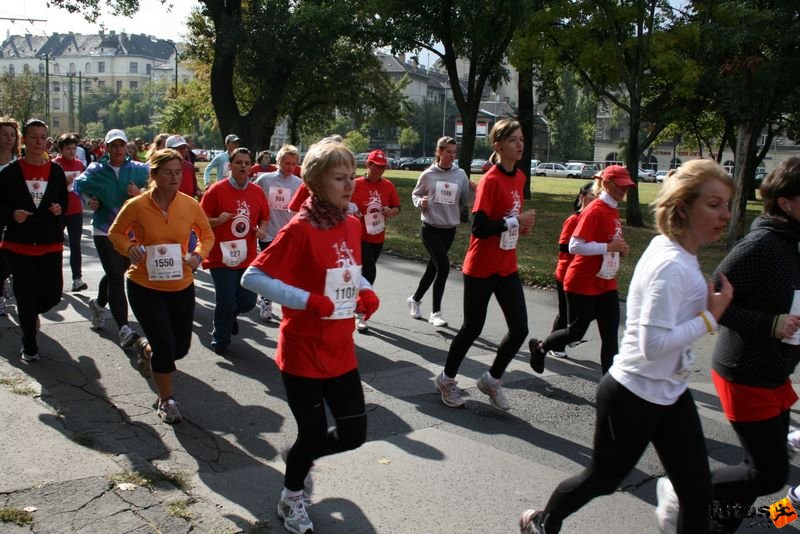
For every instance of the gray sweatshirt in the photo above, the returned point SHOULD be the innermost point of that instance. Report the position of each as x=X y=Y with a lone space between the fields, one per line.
x=446 y=191
x=279 y=190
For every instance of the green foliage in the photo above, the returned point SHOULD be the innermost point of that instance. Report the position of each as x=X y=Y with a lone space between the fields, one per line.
x=22 y=96
x=356 y=141
x=408 y=137
x=94 y=130
x=9 y=514
x=572 y=124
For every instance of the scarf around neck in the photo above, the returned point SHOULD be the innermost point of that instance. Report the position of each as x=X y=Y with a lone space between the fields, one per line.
x=321 y=214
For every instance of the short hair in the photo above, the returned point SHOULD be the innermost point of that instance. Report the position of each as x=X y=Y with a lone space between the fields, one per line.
x=287 y=150
x=264 y=154
x=681 y=188
x=159 y=158
x=321 y=158
x=33 y=123
x=501 y=130
x=783 y=181
x=441 y=144
x=241 y=150
x=11 y=123
x=67 y=139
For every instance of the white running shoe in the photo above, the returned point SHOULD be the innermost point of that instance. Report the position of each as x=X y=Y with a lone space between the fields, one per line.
x=448 y=389
x=3 y=311
x=97 y=320
x=28 y=357
x=794 y=496
x=532 y=522
x=793 y=441
x=79 y=285
x=494 y=388
x=265 y=310
x=414 y=308
x=557 y=353
x=295 y=517
x=437 y=320
x=361 y=324
x=127 y=336
x=168 y=411
x=7 y=288
x=668 y=507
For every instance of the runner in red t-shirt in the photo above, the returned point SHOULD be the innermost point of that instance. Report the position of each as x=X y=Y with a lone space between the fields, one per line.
x=312 y=268
x=377 y=200
x=590 y=282
x=73 y=167
x=490 y=267
x=238 y=212
x=263 y=164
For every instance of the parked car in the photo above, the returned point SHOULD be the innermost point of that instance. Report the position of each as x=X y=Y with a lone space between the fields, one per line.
x=477 y=165
x=200 y=154
x=760 y=175
x=647 y=175
x=580 y=170
x=552 y=170
x=417 y=164
x=534 y=163
x=660 y=175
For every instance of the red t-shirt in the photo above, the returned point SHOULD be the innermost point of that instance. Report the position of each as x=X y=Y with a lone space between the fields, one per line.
x=498 y=196
x=300 y=256
x=299 y=197
x=188 y=179
x=32 y=174
x=259 y=169
x=249 y=207
x=600 y=223
x=564 y=258
x=371 y=198
x=72 y=169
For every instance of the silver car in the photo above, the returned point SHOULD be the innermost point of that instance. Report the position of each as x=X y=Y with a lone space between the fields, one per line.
x=552 y=170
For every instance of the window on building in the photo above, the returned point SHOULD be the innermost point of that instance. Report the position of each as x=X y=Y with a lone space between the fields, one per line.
x=119 y=87
x=41 y=68
x=56 y=87
x=101 y=83
x=26 y=68
x=56 y=69
x=11 y=70
x=57 y=103
x=87 y=85
x=72 y=69
x=134 y=67
x=101 y=66
x=148 y=68
x=87 y=68
x=56 y=122
x=134 y=85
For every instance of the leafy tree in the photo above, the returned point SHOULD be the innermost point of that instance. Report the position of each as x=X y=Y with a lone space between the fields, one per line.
x=94 y=130
x=477 y=31
x=409 y=138
x=95 y=103
x=22 y=96
x=572 y=123
x=356 y=141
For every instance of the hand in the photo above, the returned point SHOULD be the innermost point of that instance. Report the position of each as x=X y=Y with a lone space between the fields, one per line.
x=55 y=209
x=93 y=204
x=137 y=254
x=391 y=212
x=133 y=190
x=193 y=261
x=320 y=305
x=527 y=219
x=423 y=203
x=786 y=326
x=718 y=301
x=21 y=216
x=224 y=217
x=367 y=303
x=261 y=234
x=473 y=186
x=618 y=245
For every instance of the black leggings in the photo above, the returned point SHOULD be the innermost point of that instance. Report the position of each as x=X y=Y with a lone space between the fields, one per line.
x=764 y=470
x=74 y=225
x=111 y=289
x=582 y=310
x=370 y=252
x=625 y=425
x=307 y=398
x=437 y=242
x=560 y=321
x=477 y=292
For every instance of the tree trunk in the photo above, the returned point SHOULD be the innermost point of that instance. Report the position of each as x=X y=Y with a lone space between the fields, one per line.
x=633 y=211
x=526 y=119
x=745 y=162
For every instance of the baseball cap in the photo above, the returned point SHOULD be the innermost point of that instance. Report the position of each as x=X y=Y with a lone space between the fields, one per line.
x=377 y=157
x=174 y=141
x=232 y=138
x=113 y=135
x=619 y=175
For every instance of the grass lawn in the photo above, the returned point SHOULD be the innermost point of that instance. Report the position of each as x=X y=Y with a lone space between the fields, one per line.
x=537 y=253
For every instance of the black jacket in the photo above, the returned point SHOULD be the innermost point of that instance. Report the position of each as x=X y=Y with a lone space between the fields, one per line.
x=42 y=227
x=764 y=269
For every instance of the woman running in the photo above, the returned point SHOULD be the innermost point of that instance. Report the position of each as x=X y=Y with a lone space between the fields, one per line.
x=313 y=270
x=590 y=282
x=9 y=152
x=644 y=398
x=160 y=283
x=490 y=267
x=439 y=192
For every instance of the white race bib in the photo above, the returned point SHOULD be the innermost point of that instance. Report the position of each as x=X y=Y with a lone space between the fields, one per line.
x=794 y=310
x=279 y=198
x=446 y=193
x=233 y=252
x=164 y=262
x=375 y=222
x=509 y=238
x=610 y=266
x=341 y=286
x=71 y=175
x=36 y=188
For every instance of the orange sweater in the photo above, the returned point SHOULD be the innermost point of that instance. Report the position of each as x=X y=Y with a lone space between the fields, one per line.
x=142 y=217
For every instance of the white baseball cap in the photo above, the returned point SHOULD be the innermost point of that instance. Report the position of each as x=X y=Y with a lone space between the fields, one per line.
x=174 y=141
x=113 y=135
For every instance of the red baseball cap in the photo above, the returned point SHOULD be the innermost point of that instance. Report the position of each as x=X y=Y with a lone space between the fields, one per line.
x=377 y=157
x=619 y=175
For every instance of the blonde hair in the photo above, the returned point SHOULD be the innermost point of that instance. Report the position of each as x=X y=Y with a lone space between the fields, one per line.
x=287 y=150
x=681 y=188
x=501 y=130
x=441 y=144
x=160 y=139
x=321 y=158
x=158 y=159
